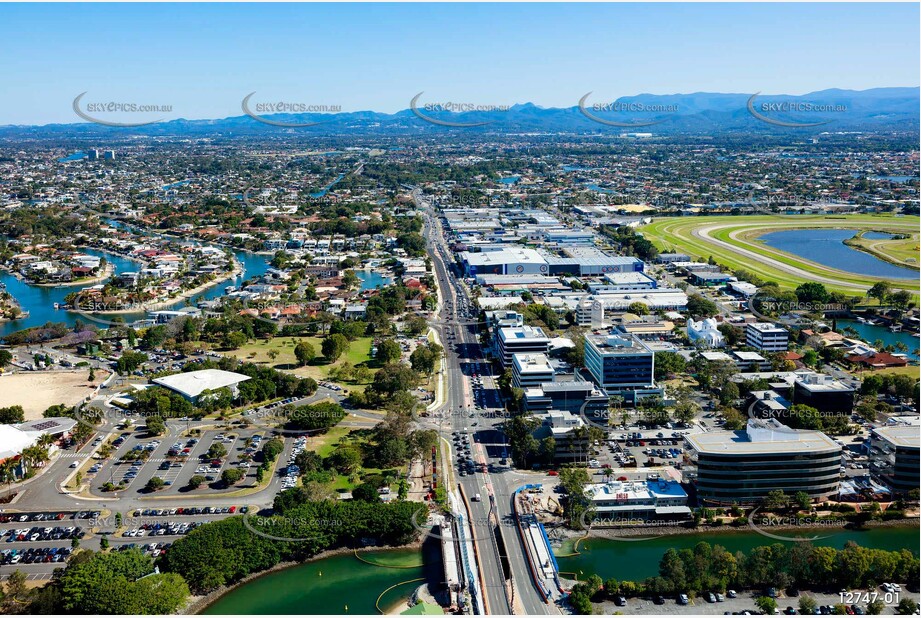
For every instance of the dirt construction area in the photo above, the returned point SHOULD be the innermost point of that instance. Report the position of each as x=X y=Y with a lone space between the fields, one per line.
x=36 y=391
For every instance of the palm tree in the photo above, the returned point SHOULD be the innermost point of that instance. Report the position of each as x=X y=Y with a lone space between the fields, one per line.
x=8 y=471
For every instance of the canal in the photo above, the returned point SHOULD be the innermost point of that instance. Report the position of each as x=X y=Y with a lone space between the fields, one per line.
x=872 y=332
x=39 y=300
x=637 y=560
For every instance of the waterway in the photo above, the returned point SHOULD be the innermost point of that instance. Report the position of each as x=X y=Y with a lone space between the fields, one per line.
x=322 y=192
x=371 y=279
x=826 y=247
x=331 y=585
x=39 y=301
x=871 y=332
x=637 y=560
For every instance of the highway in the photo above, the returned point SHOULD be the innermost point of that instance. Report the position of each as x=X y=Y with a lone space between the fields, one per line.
x=494 y=481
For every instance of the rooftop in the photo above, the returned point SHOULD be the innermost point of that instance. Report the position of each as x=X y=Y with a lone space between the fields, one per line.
x=901 y=435
x=194 y=383
x=762 y=438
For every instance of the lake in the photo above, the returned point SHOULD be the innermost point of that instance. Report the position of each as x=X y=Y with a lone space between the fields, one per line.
x=826 y=247
x=638 y=560
x=327 y=586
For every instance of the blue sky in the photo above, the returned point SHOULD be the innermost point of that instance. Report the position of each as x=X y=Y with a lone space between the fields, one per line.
x=202 y=59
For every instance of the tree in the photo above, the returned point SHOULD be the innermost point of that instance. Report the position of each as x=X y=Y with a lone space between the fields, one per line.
x=334 y=346
x=273 y=354
x=807 y=605
x=775 y=499
x=638 y=308
x=231 y=476
x=11 y=415
x=901 y=300
x=304 y=352
x=388 y=351
x=698 y=306
x=880 y=291
x=16 y=584
x=155 y=425
x=155 y=483
x=876 y=607
x=6 y=357
x=216 y=451
x=234 y=340
x=767 y=605
x=196 y=481
x=907 y=607
x=668 y=363
x=350 y=280
x=802 y=500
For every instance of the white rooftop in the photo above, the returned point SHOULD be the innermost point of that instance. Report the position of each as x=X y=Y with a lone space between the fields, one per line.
x=194 y=383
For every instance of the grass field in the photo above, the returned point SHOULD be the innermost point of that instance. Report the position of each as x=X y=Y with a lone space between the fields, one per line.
x=910 y=371
x=259 y=352
x=732 y=241
x=903 y=251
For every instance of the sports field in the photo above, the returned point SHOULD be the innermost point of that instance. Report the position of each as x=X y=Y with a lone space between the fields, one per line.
x=732 y=241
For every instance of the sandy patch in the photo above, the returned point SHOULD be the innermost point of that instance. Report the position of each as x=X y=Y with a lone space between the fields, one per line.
x=36 y=391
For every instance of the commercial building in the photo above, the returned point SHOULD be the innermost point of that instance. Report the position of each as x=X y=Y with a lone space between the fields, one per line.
x=589 y=261
x=766 y=337
x=895 y=454
x=743 y=466
x=192 y=384
x=618 y=503
x=576 y=396
x=520 y=340
x=569 y=444
x=824 y=393
x=506 y=261
x=530 y=370
x=621 y=365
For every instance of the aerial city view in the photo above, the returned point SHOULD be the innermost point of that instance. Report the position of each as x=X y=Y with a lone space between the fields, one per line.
x=460 y=308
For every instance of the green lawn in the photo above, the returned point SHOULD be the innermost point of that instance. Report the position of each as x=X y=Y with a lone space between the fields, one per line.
x=259 y=352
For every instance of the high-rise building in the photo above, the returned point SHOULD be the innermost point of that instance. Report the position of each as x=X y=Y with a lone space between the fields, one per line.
x=520 y=340
x=530 y=370
x=895 y=454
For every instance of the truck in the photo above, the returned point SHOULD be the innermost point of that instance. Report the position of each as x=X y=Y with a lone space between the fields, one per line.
x=476 y=497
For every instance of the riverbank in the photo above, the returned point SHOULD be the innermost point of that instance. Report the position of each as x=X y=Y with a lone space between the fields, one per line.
x=200 y=603
x=578 y=536
x=161 y=305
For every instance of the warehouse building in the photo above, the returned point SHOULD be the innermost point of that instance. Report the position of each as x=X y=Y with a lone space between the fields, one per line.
x=743 y=466
x=506 y=261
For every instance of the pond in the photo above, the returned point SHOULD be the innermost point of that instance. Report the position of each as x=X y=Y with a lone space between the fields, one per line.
x=826 y=247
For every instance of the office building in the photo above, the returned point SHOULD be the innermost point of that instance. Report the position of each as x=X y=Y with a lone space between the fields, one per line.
x=530 y=370
x=743 y=466
x=824 y=393
x=576 y=396
x=894 y=451
x=766 y=337
x=621 y=365
x=520 y=340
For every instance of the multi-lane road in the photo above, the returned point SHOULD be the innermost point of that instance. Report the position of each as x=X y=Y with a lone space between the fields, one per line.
x=493 y=516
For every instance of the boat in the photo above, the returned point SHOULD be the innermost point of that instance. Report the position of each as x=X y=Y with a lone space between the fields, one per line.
x=57 y=306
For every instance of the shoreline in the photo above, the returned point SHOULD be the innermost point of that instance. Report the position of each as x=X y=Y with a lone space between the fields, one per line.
x=107 y=273
x=199 y=603
x=160 y=305
x=853 y=244
x=577 y=536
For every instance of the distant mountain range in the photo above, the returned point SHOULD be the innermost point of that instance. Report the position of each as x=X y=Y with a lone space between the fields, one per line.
x=878 y=109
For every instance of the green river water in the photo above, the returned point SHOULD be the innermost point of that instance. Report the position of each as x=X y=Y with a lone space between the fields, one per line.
x=637 y=560
x=341 y=584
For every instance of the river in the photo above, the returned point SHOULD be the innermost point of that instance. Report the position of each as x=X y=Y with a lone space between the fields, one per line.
x=39 y=301
x=826 y=247
x=637 y=560
x=331 y=585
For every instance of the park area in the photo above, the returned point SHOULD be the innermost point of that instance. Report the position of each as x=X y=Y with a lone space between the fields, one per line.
x=36 y=391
